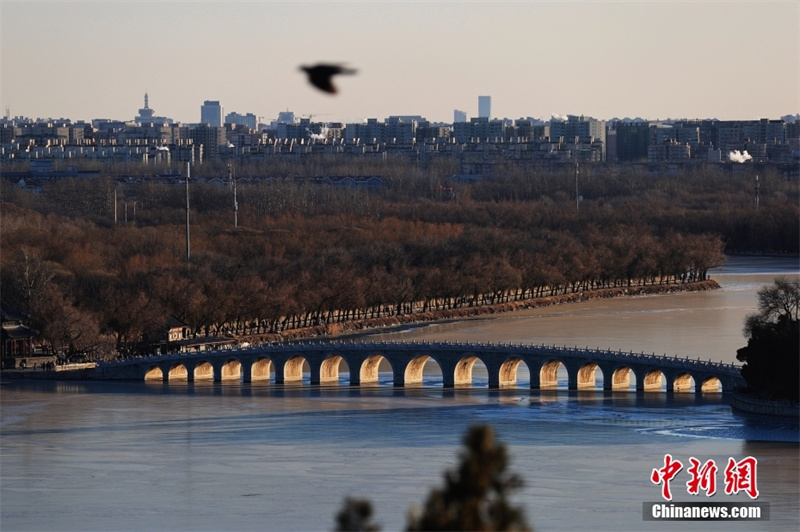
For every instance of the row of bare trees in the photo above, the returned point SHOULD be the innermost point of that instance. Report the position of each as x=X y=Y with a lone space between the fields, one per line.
x=306 y=254
x=82 y=280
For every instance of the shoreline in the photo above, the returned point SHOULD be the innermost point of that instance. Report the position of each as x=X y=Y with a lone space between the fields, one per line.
x=357 y=328
x=751 y=404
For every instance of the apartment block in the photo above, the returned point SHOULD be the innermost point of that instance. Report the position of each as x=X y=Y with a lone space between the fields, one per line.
x=249 y=120
x=583 y=128
x=210 y=138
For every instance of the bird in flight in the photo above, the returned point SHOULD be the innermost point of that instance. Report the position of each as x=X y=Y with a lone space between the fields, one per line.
x=320 y=75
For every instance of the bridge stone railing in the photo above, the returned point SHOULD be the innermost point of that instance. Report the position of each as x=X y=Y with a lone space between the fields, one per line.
x=407 y=359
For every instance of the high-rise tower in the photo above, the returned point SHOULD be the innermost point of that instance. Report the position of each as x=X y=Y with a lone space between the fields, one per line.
x=211 y=113
x=484 y=106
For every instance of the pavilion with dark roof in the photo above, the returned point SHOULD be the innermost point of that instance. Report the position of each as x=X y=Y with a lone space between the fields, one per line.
x=16 y=337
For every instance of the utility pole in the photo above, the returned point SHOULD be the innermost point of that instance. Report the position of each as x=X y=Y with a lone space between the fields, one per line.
x=232 y=179
x=577 y=197
x=756 y=191
x=188 y=247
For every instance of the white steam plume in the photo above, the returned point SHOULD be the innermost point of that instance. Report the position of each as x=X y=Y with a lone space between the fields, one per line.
x=322 y=135
x=739 y=157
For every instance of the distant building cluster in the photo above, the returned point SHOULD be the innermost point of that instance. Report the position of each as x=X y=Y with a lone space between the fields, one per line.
x=479 y=143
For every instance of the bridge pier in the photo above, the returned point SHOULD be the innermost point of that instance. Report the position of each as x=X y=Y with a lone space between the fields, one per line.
x=315 y=375
x=572 y=380
x=535 y=379
x=398 y=375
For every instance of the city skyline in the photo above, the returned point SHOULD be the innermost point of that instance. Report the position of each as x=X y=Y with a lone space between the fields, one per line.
x=724 y=60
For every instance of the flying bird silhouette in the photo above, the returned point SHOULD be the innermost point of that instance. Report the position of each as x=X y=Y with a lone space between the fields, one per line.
x=320 y=75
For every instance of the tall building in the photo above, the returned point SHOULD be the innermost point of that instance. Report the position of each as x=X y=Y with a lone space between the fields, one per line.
x=459 y=116
x=145 y=113
x=211 y=113
x=484 y=106
x=633 y=141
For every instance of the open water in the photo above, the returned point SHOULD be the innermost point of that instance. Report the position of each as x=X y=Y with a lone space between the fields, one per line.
x=204 y=456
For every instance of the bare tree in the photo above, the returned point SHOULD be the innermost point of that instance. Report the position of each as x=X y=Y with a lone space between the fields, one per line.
x=780 y=300
x=27 y=279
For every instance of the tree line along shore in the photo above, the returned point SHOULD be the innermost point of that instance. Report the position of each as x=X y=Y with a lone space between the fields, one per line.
x=357 y=327
x=309 y=259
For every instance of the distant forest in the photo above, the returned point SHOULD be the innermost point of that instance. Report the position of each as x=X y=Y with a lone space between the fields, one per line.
x=308 y=254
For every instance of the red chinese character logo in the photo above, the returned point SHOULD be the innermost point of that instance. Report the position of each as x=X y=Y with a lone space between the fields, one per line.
x=741 y=476
x=704 y=477
x=665 y=474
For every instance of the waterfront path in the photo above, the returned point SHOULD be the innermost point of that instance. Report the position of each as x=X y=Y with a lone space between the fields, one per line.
x=323 y=361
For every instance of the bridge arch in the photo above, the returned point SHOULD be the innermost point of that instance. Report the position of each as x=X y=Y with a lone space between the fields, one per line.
x=293 y=369
x=231 y=370
x=262 y=369
x=462 y=373
x=621 y=379
x=369 y=372
x=178 y=371
x=587 y=376
x=548 y=374
x=329 y=369
x=153 y=373
x=683 y=382
x=203 y=371
x=415 y=369
x=508 y=373
x=711 y=384
x=652 y=381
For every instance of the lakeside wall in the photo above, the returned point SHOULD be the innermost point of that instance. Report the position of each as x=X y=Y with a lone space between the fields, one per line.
x=753 y=405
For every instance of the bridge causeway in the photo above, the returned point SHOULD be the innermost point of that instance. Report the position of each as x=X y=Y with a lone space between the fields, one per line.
x=284 y=363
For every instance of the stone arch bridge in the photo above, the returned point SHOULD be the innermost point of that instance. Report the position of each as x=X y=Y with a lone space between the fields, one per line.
x=285 y=363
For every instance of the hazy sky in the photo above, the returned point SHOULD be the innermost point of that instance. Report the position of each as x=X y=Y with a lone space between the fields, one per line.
x=605 y=59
